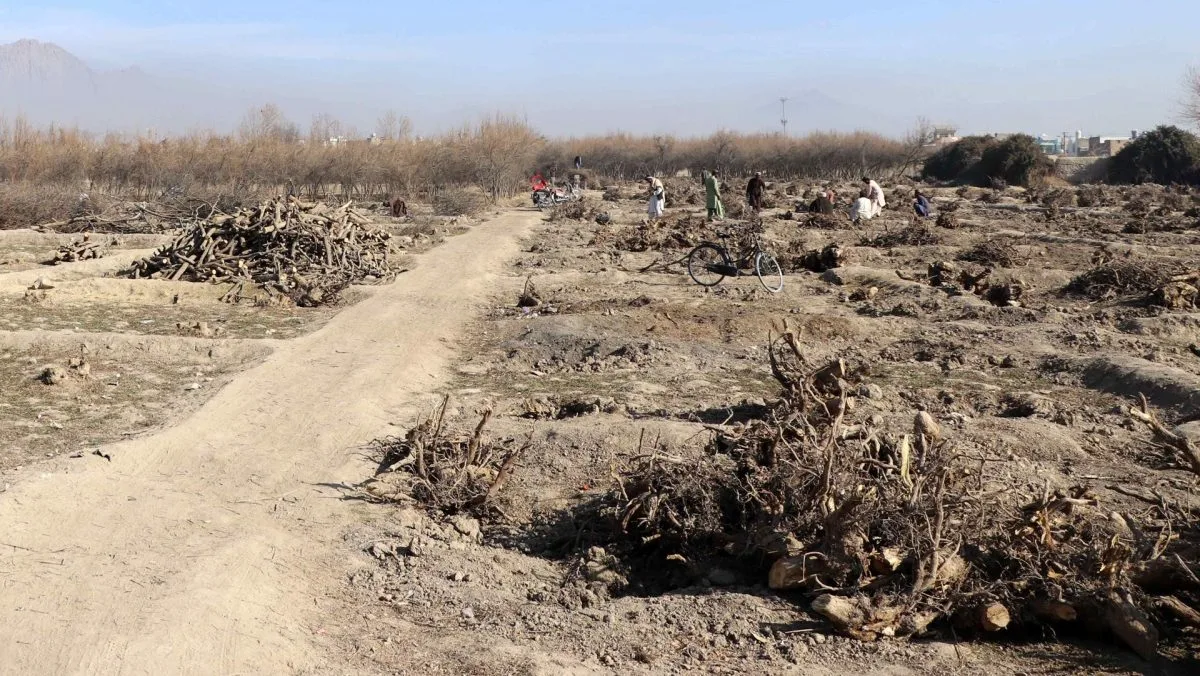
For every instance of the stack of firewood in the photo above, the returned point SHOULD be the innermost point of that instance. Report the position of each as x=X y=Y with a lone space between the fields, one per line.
x=82 y=250
x=307 y=251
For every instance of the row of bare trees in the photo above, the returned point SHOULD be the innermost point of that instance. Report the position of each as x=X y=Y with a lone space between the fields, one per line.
x=825 y=155
x=269 y=153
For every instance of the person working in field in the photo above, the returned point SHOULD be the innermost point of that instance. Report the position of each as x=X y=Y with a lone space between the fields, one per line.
x=875 y=194
x=712 y=196
x=822 y=205
x=756 y=192
x=921 y=205
x=863 y=208
x=658 y=198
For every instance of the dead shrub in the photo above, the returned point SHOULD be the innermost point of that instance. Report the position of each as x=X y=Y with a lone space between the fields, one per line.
x=24 y=205
x=459 y=202
x=1121 y=278
x=994 y=253
x=448 y=472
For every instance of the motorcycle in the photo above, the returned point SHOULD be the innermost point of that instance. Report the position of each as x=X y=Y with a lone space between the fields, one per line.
x=550 y=197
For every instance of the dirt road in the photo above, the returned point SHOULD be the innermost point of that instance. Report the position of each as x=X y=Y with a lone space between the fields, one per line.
x=210 y=547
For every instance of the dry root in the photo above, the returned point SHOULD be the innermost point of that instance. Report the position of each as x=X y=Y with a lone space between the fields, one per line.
x=890 y=533
x=444 y=472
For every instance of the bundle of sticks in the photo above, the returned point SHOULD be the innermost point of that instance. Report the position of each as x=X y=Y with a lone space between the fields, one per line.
x=304 y=250
x=82 y=250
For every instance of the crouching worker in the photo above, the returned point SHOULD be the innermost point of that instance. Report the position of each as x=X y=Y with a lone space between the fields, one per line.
x=862 y=209
x=921 y=205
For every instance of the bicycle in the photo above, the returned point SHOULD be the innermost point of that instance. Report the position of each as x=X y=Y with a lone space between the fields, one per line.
x=709 y=263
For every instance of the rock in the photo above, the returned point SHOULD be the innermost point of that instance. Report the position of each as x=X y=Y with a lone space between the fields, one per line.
x=926 y=426
x=834 y=276
x=193 y=387
x=411 y=518
x=721 y=577
x=53 y=375
x=870 y=391
x=844 y=612
x=466 y=526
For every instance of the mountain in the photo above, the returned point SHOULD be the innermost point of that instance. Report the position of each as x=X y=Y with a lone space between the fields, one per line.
x=30 y=66
x=47 y=84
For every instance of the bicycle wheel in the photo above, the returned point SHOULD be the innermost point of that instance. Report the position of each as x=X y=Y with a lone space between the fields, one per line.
x=769 y=272
x=707 y=264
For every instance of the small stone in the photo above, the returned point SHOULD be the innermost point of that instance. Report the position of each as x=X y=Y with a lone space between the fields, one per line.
x=465 y=525
x=870 y=391
x=721 y=577
x=193 y=387
x=819 y=638
x=458 y=577
x=468 y=613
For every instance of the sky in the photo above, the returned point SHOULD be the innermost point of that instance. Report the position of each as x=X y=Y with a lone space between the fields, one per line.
x=685 y=68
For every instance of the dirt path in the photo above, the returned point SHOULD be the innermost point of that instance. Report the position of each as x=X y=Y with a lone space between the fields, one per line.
x=209 y=547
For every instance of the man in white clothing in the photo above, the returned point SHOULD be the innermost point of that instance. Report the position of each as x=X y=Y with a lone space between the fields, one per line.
x=862 y=209
x=875 y=194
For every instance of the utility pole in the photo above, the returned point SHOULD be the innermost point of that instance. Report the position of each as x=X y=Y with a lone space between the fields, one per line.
x=783 y=113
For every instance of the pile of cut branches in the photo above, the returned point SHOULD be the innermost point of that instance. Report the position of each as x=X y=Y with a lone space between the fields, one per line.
x=306 y=251
x=1127 y=277
x=443 y=471
x=994 y=253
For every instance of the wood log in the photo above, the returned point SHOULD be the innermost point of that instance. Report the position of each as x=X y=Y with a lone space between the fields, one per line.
x=1048 y=610
x=1132 y=626
x=1179 y=610
x=993 y=617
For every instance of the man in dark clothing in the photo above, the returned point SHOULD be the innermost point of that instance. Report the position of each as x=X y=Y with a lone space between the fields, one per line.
x=756 y=191
x=821 y=205
x=921 y=205
x=578 y=162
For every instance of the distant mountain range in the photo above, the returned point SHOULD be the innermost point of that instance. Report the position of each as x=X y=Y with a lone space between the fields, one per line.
x=46 y=84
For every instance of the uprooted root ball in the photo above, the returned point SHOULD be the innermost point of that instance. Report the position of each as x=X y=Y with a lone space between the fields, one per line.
x=450 y=473
x=887 y=532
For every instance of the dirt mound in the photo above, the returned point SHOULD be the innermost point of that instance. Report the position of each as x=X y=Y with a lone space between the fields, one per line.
x=677 y=232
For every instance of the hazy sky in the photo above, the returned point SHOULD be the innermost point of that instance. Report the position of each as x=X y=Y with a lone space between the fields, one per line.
x=1104 y=66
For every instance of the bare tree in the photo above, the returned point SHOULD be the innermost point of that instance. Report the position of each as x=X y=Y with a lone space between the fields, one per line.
x=267 y=123
x=1191 y=108
x=503 y=149
x=916 y=143
x=323 y=128
x=393 y=127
